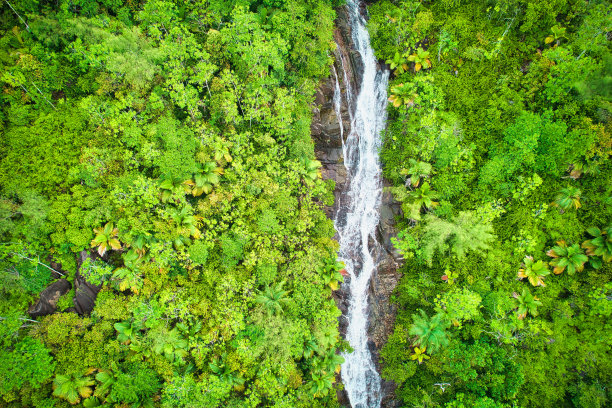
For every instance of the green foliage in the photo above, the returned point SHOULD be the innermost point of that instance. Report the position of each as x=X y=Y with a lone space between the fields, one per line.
x=202 y=183
x=225 y=373
x=599 y=245
x=273 y=298
x=534 y=271
x=402 y=94
x=95 y=271
x=429 y=331
x=527 y=303
x=127 y=331
x=419 y=355
x=172 y=345
x=514 y=102
x=106 y=237
x=233 y=250
x=136 y=386
x=21 y=268
x=310 y=169
x=331 y=271
x=534 y=143
x=465 y=233
x=416 y=172
x=180 y=135
x=420 y=59
x=72 y=387
x=568 y=197
x=198 y=252
x=32 y=358
x=399 y=64
x=564 y=256
x=459 y=305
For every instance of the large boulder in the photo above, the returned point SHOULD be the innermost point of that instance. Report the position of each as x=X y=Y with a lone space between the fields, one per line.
x=47 y=303
x=85 y=293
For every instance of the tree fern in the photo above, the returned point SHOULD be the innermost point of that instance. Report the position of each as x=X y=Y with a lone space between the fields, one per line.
x=465 y=233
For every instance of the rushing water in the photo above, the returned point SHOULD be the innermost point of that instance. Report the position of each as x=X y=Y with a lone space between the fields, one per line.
x=358 y=214
x=338 y=104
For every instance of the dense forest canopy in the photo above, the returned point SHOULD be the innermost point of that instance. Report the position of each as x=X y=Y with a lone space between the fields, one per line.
x=156 y=156
x=162 y=149
x=498 y=145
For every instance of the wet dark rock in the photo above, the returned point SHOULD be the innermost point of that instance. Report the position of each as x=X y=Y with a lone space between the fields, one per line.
x=387 y=389
x=326 y=132
x=86 y=293
x=47 y=303
x=58 y=272
x=342 y=395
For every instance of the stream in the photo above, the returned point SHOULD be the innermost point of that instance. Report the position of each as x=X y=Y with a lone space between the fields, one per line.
x=358 y=214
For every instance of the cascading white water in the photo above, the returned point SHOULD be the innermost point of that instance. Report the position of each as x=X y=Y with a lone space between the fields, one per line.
x=338 y=104
x=358 y=215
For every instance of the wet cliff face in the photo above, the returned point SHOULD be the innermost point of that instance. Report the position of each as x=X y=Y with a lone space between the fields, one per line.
x=327 y=128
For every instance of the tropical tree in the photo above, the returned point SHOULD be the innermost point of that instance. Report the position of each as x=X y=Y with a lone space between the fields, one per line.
x=570 y=257
x=321 y=382
x=582 y=167
x=142 y=347
x=399 y=63
x=128 y=331
x=534 y=271
x=138 y=242
x=458 y=305
x=402 y=94
x=333 y=278
x=333 y=361
x=186 y=222
x=557 y=32
x=226 y=373
x=172 y=345
x=449 y=276
x=134 y=388
x=331 y=271
x=203 y=182
x=419 y=354
x=273 y=298
x=423 y=196
x=106 y=237
x=310 y=348
x=172 y=187
x=310 y=169
x=106 y=380
x=568 y=197
x=91 y=402
x=430 y=332
x=126 y=278
x=527 y=303
x=416 y=171
x=96 y=271
x=72 y=387
x=190 y=330
x=599 y=245
x=420 y=59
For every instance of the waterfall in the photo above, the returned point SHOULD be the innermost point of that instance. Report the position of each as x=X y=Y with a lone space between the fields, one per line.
x=358 y=213
x=338 y=104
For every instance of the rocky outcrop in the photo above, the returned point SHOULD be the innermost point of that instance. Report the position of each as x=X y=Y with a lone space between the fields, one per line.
x=382 y=311
x=47 y=302
x=328 y=129
x=86 y=293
